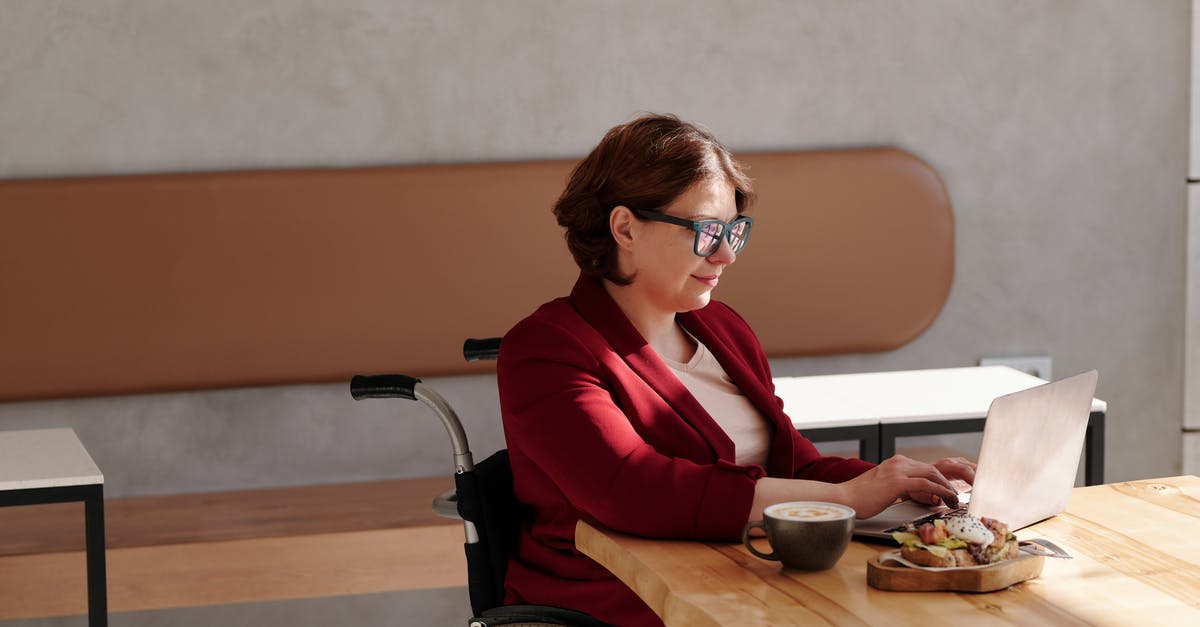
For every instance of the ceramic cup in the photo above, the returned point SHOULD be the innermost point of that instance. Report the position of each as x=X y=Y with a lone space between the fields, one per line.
x=806 y=535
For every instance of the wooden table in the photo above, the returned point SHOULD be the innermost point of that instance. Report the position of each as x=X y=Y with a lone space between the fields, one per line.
x=1136 y=549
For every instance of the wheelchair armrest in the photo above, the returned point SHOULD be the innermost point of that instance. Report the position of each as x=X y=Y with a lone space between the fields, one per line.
x=535 y=614
x=446 y=505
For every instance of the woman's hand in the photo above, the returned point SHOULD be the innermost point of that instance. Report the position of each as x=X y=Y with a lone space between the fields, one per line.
x=901 y=477
x=959 y=470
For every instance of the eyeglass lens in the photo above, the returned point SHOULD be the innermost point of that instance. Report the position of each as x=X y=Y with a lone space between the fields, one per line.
x=709 y=235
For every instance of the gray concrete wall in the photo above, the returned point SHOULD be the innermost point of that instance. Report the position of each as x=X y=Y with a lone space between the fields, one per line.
x=1060 y=129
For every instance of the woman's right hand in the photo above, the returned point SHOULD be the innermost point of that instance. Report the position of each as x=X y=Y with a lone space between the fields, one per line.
x=898 y=477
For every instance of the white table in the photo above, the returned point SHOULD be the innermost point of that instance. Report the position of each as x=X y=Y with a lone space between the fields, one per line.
x=51 y=466
x=876 y=408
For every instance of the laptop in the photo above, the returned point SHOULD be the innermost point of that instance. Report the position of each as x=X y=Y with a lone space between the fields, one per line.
x=1032 y=441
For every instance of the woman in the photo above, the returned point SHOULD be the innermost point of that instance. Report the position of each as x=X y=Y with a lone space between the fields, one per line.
x=641 y=404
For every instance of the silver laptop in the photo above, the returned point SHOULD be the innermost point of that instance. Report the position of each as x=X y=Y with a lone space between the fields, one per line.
x=1032 y=441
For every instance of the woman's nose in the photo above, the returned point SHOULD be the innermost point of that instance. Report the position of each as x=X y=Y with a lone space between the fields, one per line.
x=724 y=254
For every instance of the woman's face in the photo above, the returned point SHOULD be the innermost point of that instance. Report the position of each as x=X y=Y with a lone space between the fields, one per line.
x=668 y=276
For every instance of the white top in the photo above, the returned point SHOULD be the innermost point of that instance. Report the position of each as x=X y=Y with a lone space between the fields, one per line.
x=901 y=396
x=710 y=384
x=45 y=458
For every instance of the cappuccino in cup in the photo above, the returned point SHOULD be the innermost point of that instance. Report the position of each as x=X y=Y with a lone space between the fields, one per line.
x=805 y=535
x=807 y=511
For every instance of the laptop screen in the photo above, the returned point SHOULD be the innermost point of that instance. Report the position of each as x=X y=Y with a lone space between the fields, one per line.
x=1032 y=441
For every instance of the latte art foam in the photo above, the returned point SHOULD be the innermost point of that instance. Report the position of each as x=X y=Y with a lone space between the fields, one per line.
x=807 y=511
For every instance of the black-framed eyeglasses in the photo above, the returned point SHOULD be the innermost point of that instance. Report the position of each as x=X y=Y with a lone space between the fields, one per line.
x=709 y=233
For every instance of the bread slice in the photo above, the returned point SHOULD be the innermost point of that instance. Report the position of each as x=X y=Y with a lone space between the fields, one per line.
x=923 y=557
x=956 y=557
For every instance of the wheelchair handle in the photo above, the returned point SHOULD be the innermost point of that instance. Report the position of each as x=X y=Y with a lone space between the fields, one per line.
x=383 y=386
x=487 y=349
x=411 y=388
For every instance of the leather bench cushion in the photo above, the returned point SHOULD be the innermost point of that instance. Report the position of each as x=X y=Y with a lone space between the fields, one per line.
x=143 y=283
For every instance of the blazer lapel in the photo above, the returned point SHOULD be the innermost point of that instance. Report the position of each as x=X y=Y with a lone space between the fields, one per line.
x=602 y=313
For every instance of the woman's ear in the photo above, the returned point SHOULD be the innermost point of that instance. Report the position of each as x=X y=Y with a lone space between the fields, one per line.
x=622 y=223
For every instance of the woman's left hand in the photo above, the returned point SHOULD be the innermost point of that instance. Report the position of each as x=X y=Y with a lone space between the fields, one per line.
x=957 y=469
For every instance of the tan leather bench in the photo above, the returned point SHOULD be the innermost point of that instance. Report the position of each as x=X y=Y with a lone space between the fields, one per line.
x=131 y=284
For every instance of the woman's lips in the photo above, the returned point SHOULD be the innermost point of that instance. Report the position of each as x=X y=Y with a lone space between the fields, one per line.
x=710 y=281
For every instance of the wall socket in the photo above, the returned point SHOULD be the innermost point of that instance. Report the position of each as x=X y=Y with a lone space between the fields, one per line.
x=1039 y=366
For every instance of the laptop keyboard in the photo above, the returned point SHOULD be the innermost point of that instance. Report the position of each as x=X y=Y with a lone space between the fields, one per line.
x=961 y=509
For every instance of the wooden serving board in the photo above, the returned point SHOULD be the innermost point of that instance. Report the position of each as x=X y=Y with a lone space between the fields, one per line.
x=894 y=576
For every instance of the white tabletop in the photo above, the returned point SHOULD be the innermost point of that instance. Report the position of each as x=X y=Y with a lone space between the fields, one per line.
x=814 y=404
x=900 y=396
x=45 y=458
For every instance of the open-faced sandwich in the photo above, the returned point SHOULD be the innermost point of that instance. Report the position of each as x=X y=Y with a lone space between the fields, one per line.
x=957 y=539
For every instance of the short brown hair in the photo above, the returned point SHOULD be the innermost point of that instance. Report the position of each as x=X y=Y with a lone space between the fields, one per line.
x=644 y=164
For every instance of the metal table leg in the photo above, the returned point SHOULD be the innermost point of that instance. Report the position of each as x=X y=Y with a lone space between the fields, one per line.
x=96 y=570
x=93 y=503
x=1093 y=446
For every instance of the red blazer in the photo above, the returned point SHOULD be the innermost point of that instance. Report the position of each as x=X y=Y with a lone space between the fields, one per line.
x=599 y=428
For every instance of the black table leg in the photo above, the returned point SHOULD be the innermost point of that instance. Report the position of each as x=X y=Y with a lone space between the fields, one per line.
x=1093 y=446
x=92 y=496
x=96 y=571
x=868 y=447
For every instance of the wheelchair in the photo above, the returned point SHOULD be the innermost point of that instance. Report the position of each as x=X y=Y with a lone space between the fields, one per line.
x=483 y=498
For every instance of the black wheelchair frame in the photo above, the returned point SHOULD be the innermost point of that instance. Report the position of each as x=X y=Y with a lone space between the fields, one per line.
x=483 y=498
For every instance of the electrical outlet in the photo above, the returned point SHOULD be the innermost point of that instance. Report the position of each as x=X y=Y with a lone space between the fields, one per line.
x=1038 y=366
